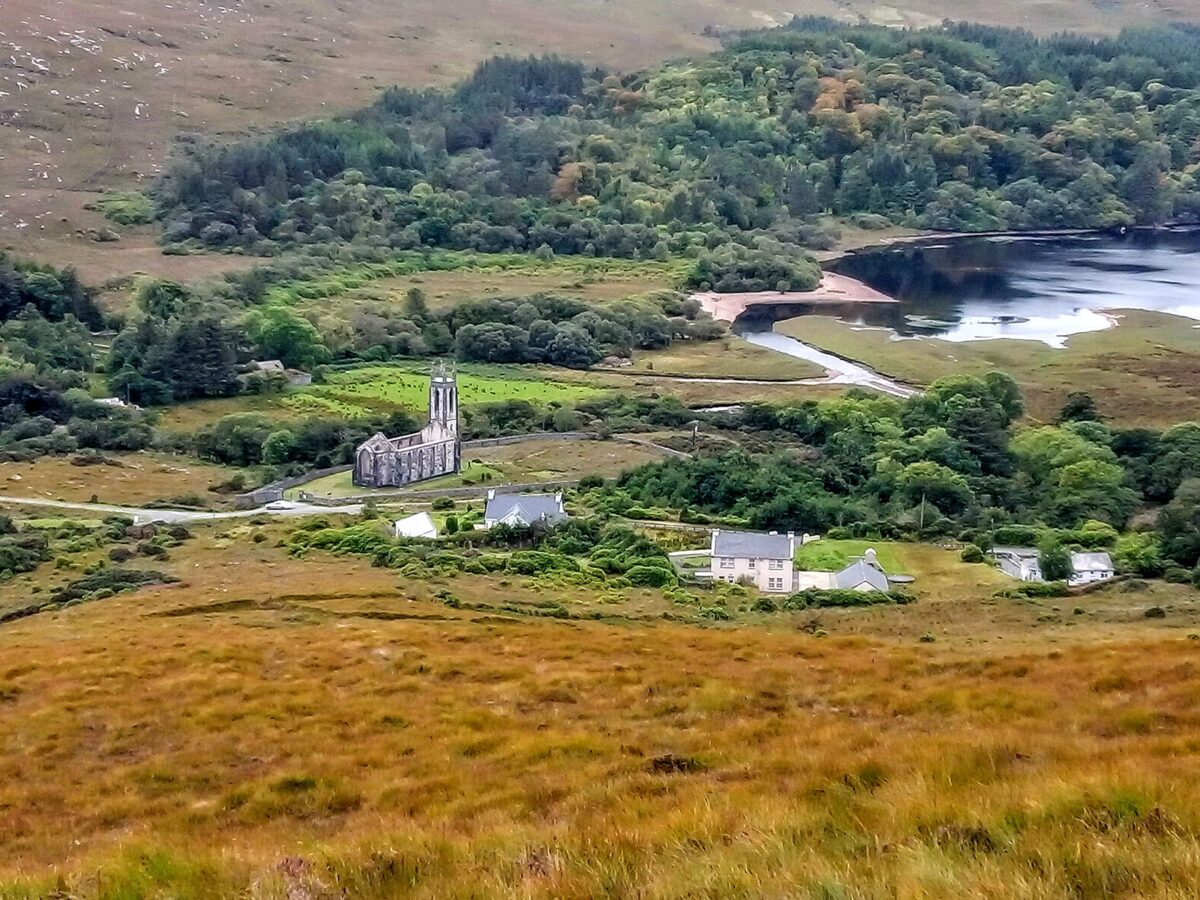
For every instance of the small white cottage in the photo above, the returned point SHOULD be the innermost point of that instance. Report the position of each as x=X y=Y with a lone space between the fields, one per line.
x=1090 y=568
x=420 y=525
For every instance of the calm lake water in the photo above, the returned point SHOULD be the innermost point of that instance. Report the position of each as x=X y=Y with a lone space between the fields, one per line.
x=1039 y=288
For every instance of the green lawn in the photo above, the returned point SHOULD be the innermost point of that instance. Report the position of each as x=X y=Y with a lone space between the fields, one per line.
x=342 y=484
x=375 y=389
x=831 y=556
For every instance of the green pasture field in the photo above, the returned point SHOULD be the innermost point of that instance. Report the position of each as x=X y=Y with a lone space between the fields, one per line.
x=372 y=389
x=830 y=556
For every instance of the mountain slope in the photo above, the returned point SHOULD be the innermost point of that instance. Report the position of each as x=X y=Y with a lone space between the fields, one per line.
x=92 y=94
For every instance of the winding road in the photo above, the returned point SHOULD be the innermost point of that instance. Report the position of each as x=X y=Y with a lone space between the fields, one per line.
x=142 y=515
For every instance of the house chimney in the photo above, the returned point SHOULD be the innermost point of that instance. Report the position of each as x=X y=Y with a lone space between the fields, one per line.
x=491 y=493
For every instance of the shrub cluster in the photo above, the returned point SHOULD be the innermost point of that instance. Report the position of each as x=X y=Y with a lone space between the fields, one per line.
x=107 y=583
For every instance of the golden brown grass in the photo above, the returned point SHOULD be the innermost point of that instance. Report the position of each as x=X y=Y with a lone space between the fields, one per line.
x=140 y=478
x=550 y=460
x=264 y=728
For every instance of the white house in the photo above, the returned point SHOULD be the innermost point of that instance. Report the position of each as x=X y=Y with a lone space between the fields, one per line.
x=1089 y=568
x=525 y=510
x=765 y=560
x=420 y=525
x=1022 y=563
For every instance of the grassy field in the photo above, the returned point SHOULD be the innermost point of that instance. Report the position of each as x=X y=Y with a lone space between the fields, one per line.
x=372 y=389
x=136 y=478
x=606 y=280
x=342 y=483
x=566 y=387
x=320 y=727
x=830 y=556
x=1142 y=372
x=729 y=357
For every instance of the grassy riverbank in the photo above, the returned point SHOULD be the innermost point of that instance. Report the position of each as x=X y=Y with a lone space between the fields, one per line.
x=1144 y=371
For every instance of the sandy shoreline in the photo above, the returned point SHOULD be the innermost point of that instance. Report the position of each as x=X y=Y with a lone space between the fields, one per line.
x=834 y=288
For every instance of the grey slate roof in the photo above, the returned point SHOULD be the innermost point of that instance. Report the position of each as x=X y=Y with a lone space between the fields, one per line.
x=1016 y=552
x=859 y=572
x=751 y=545
x=1091 y=562
x=529 y=508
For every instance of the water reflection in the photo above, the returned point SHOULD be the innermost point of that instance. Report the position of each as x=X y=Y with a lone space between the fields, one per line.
x=1035 y=288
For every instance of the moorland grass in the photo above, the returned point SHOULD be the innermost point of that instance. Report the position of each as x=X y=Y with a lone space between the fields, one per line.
x=254 y=750
x=351 y=278
x=130 y=478
x=277 y=727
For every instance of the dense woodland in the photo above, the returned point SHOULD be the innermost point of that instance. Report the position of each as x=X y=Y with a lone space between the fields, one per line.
x=734 y=159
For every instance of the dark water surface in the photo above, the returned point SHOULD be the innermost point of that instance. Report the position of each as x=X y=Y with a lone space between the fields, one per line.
x=1040 y=288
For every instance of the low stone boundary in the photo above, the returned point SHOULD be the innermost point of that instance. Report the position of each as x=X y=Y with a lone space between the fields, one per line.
x=650 y=445
x=670 y=526
x=474 y=492
x=536 y=436
x=269 y=493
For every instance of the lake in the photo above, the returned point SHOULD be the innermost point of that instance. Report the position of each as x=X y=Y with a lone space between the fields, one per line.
x=1031 y=287
x=1041 y=288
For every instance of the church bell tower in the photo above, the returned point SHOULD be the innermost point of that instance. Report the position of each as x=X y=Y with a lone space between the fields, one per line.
x=443 y=401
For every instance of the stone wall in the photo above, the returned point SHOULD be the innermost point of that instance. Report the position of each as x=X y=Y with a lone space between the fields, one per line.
x=269 y=493
x=473 y=492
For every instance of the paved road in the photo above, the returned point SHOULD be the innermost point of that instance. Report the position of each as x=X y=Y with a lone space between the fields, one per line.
x=181 y=516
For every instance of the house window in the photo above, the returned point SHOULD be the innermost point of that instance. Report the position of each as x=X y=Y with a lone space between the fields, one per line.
x=726 y=563
x=775 y=584
x=753 y=563
x=777 y=565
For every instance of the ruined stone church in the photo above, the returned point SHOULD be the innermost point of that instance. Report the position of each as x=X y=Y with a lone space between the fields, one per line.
x=434 y=450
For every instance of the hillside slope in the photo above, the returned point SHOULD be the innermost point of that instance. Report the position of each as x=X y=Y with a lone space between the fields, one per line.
x=93 y=94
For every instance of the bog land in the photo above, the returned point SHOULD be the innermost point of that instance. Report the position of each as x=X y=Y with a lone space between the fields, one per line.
x=320 y=727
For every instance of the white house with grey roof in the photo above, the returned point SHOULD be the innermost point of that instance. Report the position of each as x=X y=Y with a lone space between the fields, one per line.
x=523 y=510
x=1089 y=568
x=864 y=574
x=765 y=560
x=1022 y=563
